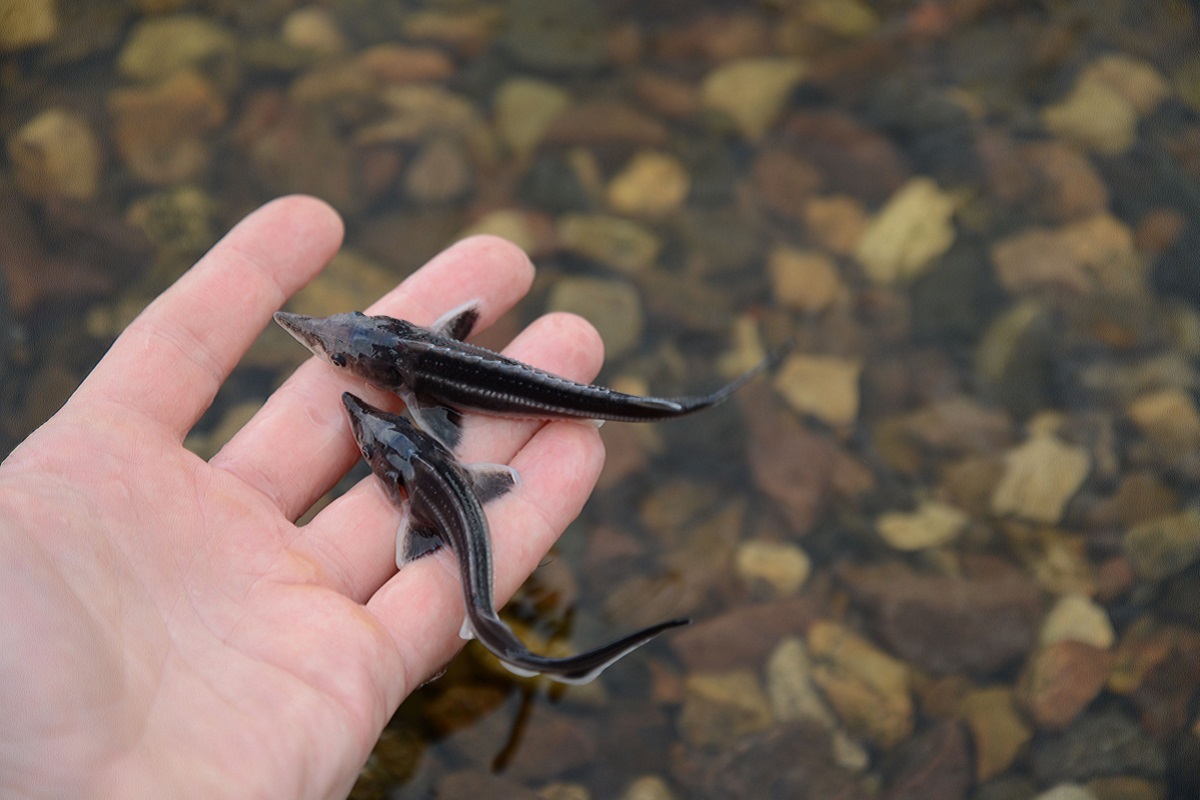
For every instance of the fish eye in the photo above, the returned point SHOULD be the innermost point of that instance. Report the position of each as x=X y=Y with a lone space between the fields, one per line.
x=368 y=451
x=338 y=360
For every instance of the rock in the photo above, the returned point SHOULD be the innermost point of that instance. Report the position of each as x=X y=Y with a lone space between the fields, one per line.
x=836 y=222
x=718 y=240
x=160 y=130
x=1093 y=116
x=751 y=91
x=824 y=386
x=393 y=64
x=743 y=637
x=614 y=307
x=1014 y=356
x=790 y=686
x=912 y=230
x=559 y=37
x=667 y=95
x=713 y=37
x=524 y=109
x=564 y=791
x=782 y=566
x=313 y=29
x=800 y=469
x=648 y=787
x=1061 y=680
x=1096 y=745
x=652 y=184
x=467 y=30
x=605 y=121
x=1038 y=258
x=721 y=707
x=998 y=732
x=56 y=156
x=553 y=744
x=1137 y=81
x=1165 y=546
x=804 y=280
x=1066 y=791
x=783 y=182
x=623 y=244
x=976 y=623
x=1076 y=618
x=158 y=47
x=1186 y=79
x=27 y=23
x=1040 y=477
x=930 y=525
x=1067 y=185
x=868 y=689
x=528 y=230
x=439 y=173
x=934 y=763
x=1168 y=418
x=473 y=784
x=1124 y=787
x=418 y=112
x=861 y=162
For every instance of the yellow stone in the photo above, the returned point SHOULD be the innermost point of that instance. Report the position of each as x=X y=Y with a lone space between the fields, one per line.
x=805 y=280
x=930 y=525
x=912 y=230
x=824 y=386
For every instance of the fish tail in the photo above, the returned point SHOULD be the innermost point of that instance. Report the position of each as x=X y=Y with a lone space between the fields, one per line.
x=688 y=405
x=583 y=668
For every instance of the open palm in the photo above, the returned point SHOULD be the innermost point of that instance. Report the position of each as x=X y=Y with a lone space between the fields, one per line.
x=167 y=629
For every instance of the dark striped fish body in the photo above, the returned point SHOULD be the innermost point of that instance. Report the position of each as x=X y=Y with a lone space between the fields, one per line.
x=443 y=506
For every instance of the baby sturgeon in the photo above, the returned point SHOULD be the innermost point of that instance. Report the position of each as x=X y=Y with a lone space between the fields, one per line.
x=432 y=368
x=445 y=507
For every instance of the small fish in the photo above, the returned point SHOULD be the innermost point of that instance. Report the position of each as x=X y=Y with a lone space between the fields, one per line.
x=445 y=507
x=437 y=374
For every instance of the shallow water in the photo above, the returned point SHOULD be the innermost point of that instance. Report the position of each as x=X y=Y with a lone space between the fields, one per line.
x=949 y=550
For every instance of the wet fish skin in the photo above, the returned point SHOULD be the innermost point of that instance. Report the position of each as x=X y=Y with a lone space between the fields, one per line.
x=443 y=506
x=432 y=368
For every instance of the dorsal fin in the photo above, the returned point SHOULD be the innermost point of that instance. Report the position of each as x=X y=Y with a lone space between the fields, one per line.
x=458 y=322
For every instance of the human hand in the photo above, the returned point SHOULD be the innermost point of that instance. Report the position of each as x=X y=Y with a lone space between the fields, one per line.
x=168 y=630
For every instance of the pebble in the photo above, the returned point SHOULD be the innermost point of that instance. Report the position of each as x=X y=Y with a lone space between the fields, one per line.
x=826 y=387
x=1040 y=478
x=804 y=280
x=604 y=121
x=1067 y=184
x=648 y=787
x=528 y=230
x=158 y=47
x=752 y=91
x=837 y=222
x=313 y=29
x=1061 y=680
x=613 y=306
x=1038 y=258
x=784 y=182
x=623 y=244
x=1165 y=546
x=742 y=637
x=395 y=64
x=934 y=763
x=351 y=281
x=27 y=23
x=439 y=172
x=869 y=689
x=1096 y=745
x=160 y=130
x=652 y=184
x=781 y=565
x=559 y=37
x=55 y=156
x=975 y=623
x=932 y=524
x=416 y=112
x=713 y=37
x=1168 y=418
x=524 y=109
x=1137 y=81
x=912 y=230
x=552 y=744
x=564 y=791
x=1095 y=117
x=998 y=731
x=790 y=688
x=667 y=95
x=1076 y=618
x=721 y=707
x=1067 y=791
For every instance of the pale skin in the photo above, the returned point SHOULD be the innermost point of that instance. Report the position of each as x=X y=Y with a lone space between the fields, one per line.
x=168 y=630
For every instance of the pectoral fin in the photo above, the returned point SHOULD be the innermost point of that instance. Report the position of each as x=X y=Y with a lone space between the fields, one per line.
x=441 y=422
x=492 y=480
x=458 y=322
x=414 y=540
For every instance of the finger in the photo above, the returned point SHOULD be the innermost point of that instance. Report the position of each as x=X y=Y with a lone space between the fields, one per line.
x=170 y=361
x=354 y=537
x=299 y=444
x=421 y=606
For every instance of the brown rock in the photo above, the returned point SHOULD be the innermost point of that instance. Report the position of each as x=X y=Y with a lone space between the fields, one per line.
x=1158 y=230
x=474 y=784
x=56 y=155
x=393 y=63
x=950 y=624
x=439 y=173
x=1060 y=681
x=160 y=131
x=606 y=122
x=783 y=182
x=714 y=37
x=552 y=743
x=934 y=763
x=666 y=95
x=1066 y=185
x=997 y=730
x=858 y=161
x=837 y=222
x=743 y=637
x=721 y=707
x=1038 y=258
